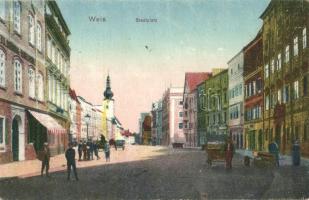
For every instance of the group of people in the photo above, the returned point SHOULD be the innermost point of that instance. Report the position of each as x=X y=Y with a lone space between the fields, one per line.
x=85 y=149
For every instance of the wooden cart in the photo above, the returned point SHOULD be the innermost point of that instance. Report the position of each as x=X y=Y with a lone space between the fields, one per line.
x=215 y=152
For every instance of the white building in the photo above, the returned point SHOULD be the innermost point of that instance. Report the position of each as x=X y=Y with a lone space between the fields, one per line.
x=236 y=98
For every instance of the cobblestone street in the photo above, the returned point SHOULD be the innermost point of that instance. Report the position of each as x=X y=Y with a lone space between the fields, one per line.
x=145 y=172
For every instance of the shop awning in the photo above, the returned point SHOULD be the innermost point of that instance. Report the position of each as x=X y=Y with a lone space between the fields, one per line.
x=47 y=121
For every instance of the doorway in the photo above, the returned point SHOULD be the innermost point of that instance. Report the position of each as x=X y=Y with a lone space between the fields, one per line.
x=15 y=139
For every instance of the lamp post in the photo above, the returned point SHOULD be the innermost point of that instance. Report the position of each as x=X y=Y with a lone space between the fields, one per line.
x=87 y=120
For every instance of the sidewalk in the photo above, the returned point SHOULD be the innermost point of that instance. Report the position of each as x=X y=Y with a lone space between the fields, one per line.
x=284 y=160
x=28 y=168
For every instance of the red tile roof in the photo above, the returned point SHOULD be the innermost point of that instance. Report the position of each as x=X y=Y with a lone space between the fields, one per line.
x=73 y=95
x=195 y=78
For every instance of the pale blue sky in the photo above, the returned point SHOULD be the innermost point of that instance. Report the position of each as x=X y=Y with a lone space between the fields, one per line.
x=189 y=36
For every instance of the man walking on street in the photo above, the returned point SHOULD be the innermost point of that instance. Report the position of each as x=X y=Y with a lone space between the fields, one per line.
x=273 y=148
x=70 y=156
x=45 y=159
x=80 y=150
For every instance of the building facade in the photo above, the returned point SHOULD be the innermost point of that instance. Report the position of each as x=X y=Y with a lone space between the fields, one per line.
x=190 y=96
x=236 y=99
x=22 y=76
x=285 y=62
x=216 y=104
x=57 y=64
x=254 y=99
x=75 y=117
x=172 y=117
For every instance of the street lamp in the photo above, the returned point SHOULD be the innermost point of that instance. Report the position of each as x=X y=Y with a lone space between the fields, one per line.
x=87 y=120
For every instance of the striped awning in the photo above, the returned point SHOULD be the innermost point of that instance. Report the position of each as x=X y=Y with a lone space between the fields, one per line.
x=47 y=121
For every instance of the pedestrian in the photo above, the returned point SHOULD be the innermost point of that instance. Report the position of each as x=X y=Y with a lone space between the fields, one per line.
x=273 y=148
x=229 y=152
x=70 y=157
x=84 y=146
x=45 y=159
x=107 y=151
x=296 y=153
x=91 y=149
x=96 y=150
x=88 y=150
x=80 y=150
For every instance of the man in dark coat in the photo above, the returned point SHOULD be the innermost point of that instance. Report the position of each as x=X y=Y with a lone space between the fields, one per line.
x=96 y=150
x=70 y=156
x=45 y=159
x=80 y=150
x=273 y=148
x=296 y=153
x=229 y=152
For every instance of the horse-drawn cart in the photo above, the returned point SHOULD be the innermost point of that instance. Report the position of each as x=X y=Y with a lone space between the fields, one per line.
x=215 y=152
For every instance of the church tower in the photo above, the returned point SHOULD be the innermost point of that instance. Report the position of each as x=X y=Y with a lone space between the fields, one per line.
x=108 y=111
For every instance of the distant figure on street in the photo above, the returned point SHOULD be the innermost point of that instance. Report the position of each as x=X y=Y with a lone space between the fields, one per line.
x=96 y=150
x=107 y=151
x=80 y=150
x=70 y=156
x=84 y=151
x=296 y=153
x=91 y=149
x=45 y=159
x=273 y=148
x=229 y=152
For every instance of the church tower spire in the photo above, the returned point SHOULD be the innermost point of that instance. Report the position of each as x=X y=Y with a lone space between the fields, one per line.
x=108 y=94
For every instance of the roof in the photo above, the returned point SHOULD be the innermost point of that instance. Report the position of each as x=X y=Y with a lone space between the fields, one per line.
x=73 y=95
x=193 y=79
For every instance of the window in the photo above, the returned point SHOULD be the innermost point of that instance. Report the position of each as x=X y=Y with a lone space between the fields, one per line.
x=49 y=48
x=31 y=83
x=39 y=36
x=279 y=96
x=17 y=76
x=53 y=53
x=304 y=38
x=180 y=125
x=50 y=86
x=279 y=61
x=296 y=92
x=40 y=87
x=180 y=114
x=287 y=54
x=254 y=87
x=272 y=66
x=286 y=94
x=2 y=132
x=180 y=103
x=267 y=103
x=2 y=10
x=305 y=86
x=295 y=46
x=266 y=71
x=31 y=29
x=16 y=16
x=2 y=68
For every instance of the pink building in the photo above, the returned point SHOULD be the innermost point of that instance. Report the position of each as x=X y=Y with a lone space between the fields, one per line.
x=192 y=79
x=172 y=120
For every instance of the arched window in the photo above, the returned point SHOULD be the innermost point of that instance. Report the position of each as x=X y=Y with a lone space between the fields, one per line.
x=17 y=76
x=2 y=68
x=16 y=16
x=31 y=29
x=31 y=83
x=40 y=87
x=39 y=36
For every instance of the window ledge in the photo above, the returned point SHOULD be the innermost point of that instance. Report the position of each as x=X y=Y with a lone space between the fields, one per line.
x=18 y=93
x=32 y=98
x=16 y=33
x=3 y=87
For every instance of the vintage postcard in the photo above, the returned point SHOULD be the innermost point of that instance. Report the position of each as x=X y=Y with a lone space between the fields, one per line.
x=154 y=99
